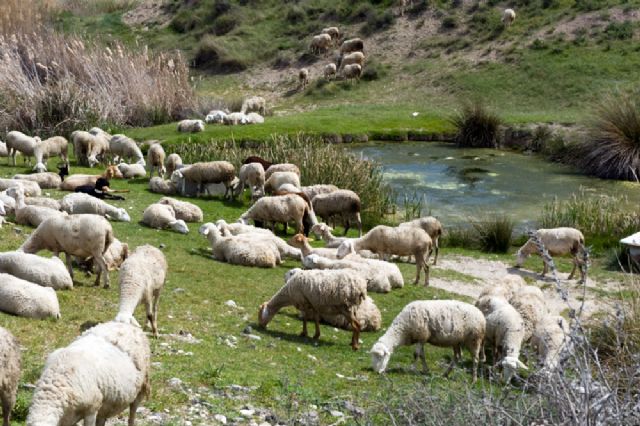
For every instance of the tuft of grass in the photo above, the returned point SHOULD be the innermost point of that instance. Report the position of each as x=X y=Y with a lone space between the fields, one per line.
x=494 y=234
x=213 y=57
x=460 y=236
x=476 y=126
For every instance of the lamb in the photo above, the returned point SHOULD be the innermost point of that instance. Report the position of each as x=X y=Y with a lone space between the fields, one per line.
x=240 y=251
x=278 y=179
x=30 y=188
x=377 y=280
x=352 y=45
x=558 y=242
x=52 y=147
x=303 y=77
x=142 y=277
x=19 y=142
x=352 y=71
x=343 y=203
x=352 y=58
x=400 y=241
x=367 y=313
x=83 y=235
x=25 y=299
x=281 y=167
x=443 y=323
x=80 y=203
x=549 y=338
x=432 y=226
x=45 y=180
x=74 y=181
x=126 y=148
x=162 y=216
x=206 y=173
x=191 y=126
x=508 y=16
x=155 y=160
x=330 y=71
x=215 y=117
x=30 y=215
x=184 y=210
x=531 y=306
x=173 y=163
x=254 y=118
x=283 y=209
x=130 y=171
x=235 y=118
x=39 y=270
x=160 y=186
x=313 y=190
x=96 y=377
x=252 y=175
x=9 y=374
x=254 y=103
x=333 y=32
x=312 y=292
x=320 y=43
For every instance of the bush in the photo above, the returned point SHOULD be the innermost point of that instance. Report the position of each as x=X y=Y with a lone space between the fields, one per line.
x=377 y=22
x=619 y=31
x=185 y=21
x=418 y=7
x=295 y=15
x=449 y=23
x=362 y=12
x=212 y=57
x=460 y=236
x=476 y=126
x=225 y=24
x=494 y=234
x=611 y=149
x=373 y=70
x=589 y=5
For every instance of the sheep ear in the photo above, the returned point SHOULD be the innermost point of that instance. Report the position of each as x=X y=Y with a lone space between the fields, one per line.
x=205 y=231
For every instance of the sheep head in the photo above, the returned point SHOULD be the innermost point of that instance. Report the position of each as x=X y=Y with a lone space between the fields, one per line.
x=521 y=256
x=297 y=241
x=380 y=356
x=510 y=365
x=345 y=249
x=127 y=319
x=179 y=226
x=120 y=215
x=40 y=168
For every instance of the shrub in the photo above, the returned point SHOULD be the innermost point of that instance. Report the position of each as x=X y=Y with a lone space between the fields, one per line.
x=611 y=149
x=295 y=15
x=225 y=24
x=373 y=70
x=476 y=126
x=589 y=5
x=619 y=31
x=377 y=22
x=418 y=7
x=460 y=236
x=494 y=234
x=185 y=21
x=362 y=12
x=212 y=57
x=449 y=23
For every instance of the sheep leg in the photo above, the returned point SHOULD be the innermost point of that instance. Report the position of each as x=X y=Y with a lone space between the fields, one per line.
x=102 y=270
x=573 y=271
x=6 y=409
x=316 y=319
x=418 y=353
x=90 y=419
x=152 y=313
x=304 y=327
x=355 y=336
x=437 y=244
x=347 y=225
x=68 y=257
x=451 y=365
x=475 y=350
x=101 y=421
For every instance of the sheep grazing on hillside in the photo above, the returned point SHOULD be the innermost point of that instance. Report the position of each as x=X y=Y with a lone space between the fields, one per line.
x=191 y=126
x=329 y=71
x=162 y=216
x=130 y=171
x=352 y=58
x=19 y=142
x=97 y=376
x=9 y=373
x=312 y=292
x=45 y=180
x=253 y=176
x=142 y=277
x=160 y=186
x=203 y=174
x=443 y=323
x=52 y=147
x=280 y=209
x=83 y=235
x=254 y=104
x=433 y=227
x=123 y=148
x=320 y=44
x=558 y=242
x=184 y=210
x=28 y=214
x=508 y=16
x=352 y=45
x=155 y=160
x=342 y=204
x=26 y=299
x=241 y=251
x=353 y=71
x=80 y=203
x=303 y=78
x=173 y=163
x=215 y=117
x=334 y=33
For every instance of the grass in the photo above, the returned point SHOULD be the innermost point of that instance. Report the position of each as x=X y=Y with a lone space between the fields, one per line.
x=476 y=126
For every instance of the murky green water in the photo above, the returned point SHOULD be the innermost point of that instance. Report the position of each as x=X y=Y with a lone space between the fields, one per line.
x=460 y=183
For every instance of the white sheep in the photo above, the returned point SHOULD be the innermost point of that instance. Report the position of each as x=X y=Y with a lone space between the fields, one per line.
x=43 y=201
x=342 y=203
x=254 y=118
x=45 y=180
x=320 y=43
x=334 y=33
x=155 y=160
x=160 y=186
x=254 y=103
x=83 y=235
x=351 y=45
x=367 y=314
x=506 y=287
x=312 y=292
x=191 y=126
x=353 y=71
x=277 y=179
x=142 y=277
x=329 y=71
x=281 y=167
x=184 y=210
x=130 y=171
x=74 y=181
x=29 y=214
x=322 y=230
x=253 y=233
x=173 y=163
x=508 y=16
x=9 y=203
x=97 y=149
x=235 y=118
x=352 y=58
x=9 y=373
x=53 y=147
x=240 y=251
x=215 y=117
x=162 y=216
x=279 y=209
x=303 y=77
x=80 y=203
x=125 y=148
x=97 y=376
x=3 y=150
x=313 y=190
x=377 y=281
x=401 y=241
x=26 y=299
x=81 y=141
x=531 y=306
x=239 y=228
x=300 y=241
x=205 y=173
x=549 y=338
x=46 y=272
x=443 y=323
x=19 y=142
x=253 y=176
x=30 y=188
x=433 y=227
x=558 y=242
x=116 y=254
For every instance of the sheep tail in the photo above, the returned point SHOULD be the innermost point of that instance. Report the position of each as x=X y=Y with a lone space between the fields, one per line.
x=108 y=239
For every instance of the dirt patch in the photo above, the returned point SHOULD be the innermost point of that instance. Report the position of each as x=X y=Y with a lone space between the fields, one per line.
x=148 y=13
x=572 y=27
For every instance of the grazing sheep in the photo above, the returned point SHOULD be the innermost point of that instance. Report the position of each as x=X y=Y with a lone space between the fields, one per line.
x=312 y=292
x=83 y=235
x=281 y=167
x=46 y=272
x=352 y=58
x=255 y=159
x=97 y=149
x=125 y=148
x=142 y=277
x=203 y=174
x=45 y=180
x=531 y=306
x=116 y=254
x=173 y=163
x=28 y=214
x=130 y=171
x=191 y=126
x=215 y=117
x=342 y=203
x=277 y=179
x=401 y=241
x=160 y=186
x=25 y=299
x=377 y=281
x=506 y=287
x=80 y=203
x=241 y=251
x=162 y=216
x=329 y=71
x=97 y=376
x=352 y=45
x=303 y=77
x=74 y=181
x=281 y=209
x=432 y=226
x=80 y=140
x=558 y=242
x=30 y=188
x=19 y=142
x=443 y=323
x=9 y=373
x=508 y=16
x=334 y=33
x=235 y=118
x=313 y=190
x=184 y=210
x=251 y=175
x=367 y=314
x=254 y=103
x=549 y=338
x=52 y=147
x=254 y=118
x=352 y=71
x=155 y=160
x=320 y=44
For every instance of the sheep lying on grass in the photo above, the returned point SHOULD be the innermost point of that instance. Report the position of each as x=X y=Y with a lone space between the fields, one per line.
x=240 y=251
x=29 y=214
x=31 y=189
x=130 y=171
x=162 y=216
x=253 y=233
x=38 y=270
x=25 y=299
x=9 y=373
x=79 y=203
x=160 y=186
x=191 y=126
x=184 y=210
x=46 y=180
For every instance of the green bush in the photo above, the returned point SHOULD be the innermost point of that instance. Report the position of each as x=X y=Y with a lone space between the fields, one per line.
x=494 y=234
x=377 y=22
x=185 y=21
x=449 y=23
x=619 y=31
x=212 y=57
x=476 y=126
x=225 y=24
x=295 y=15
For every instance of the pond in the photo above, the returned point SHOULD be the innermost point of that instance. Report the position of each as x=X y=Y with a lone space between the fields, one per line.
x=456 y=184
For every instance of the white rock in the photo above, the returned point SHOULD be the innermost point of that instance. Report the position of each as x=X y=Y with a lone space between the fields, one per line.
x=220 y=419
x=231 y=304
x=336 y=413
x=174 y=382
x=247 y=412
